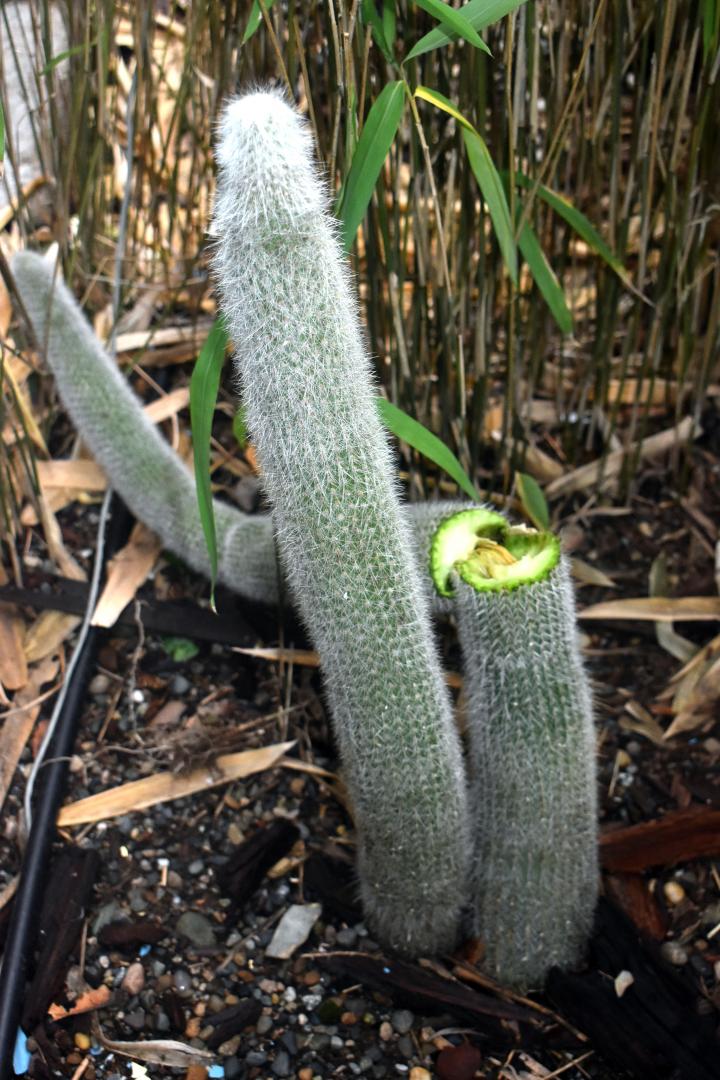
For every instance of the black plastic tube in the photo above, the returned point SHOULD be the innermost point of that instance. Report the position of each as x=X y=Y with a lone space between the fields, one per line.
x=22 y=930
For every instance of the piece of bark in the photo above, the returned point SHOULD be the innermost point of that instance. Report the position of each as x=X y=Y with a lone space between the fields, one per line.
x=232 y=1021
x=653 y=1030
x=679 y=836
x=244 y=870
x=128 y=934
x=67 y=895
x=506 y=1023
x=630 y=892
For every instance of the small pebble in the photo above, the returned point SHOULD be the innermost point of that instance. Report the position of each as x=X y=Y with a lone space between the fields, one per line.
x=405 y=1046
x=673 y=952
x=100 y=684
x=264 y=1024
x=256 y=1057
x=178 y=685
x=134 y=979
x=386 y=1031
x=347 y=937
x=183 y=981
x=402 y=1020
x=674 y=892
x=418 y=1073
x=305 y=1074
x=196 y=928
x=82 y=1040
x=136 y=1019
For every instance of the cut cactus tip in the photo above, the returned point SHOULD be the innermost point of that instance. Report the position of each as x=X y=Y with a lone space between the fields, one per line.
x=490 y=554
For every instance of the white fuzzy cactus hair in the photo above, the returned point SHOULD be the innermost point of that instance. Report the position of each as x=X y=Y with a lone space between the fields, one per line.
x=531 y=741
x=345 y=545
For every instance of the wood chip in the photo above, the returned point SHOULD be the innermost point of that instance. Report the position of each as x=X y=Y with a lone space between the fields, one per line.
x=92 y=999
x=680 y=836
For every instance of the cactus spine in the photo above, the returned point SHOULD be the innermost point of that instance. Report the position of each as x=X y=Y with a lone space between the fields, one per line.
x=345 y=546
x=531 y=742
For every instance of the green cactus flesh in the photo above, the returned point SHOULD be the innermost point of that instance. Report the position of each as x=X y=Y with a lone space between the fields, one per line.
x=531 y=746
x=344 y=542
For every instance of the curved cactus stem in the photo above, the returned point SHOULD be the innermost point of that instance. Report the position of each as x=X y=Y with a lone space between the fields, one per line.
x=344 y=542
x=531 y=742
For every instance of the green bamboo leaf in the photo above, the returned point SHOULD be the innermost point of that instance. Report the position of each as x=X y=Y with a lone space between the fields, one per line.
x=545 y=279
x=711 y=27
x=371 y=18
x=389 y=22
x=486 y=175
x=533 y=500
x=255 y=18
x=204 y=386
x=479 y=13
x=375 y=141
x=577 y=221
x=454 y=22
x=493 y=193
x=55 y=60
x=441 y=102
x=417 y=435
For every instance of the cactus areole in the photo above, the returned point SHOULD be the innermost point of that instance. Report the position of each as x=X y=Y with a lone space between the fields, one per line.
x=490 y=554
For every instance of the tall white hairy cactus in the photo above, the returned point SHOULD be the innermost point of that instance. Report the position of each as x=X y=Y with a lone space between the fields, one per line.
x=345 y=546
x=140 y=464
x=531 y=743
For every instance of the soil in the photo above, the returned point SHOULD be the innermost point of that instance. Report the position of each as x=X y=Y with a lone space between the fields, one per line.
x=177 y=946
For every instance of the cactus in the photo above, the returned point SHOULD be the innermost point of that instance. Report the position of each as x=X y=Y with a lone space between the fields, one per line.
x=140 y=464
x=344 y=544
x=531 y=744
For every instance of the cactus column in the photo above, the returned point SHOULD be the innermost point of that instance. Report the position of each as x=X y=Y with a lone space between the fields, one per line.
x=532 y=744
x=344 y=543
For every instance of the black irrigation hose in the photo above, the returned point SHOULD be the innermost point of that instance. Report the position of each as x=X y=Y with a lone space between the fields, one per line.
x=22 y=929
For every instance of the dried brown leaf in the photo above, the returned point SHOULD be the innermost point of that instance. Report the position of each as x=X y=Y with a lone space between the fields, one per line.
x=163 y=787
x=127 y=571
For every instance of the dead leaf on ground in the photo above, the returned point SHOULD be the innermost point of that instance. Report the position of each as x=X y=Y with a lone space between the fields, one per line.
x=700 y=705
x=13 y=663
x=155 y=1051
x=80 y=473
x=127 y=571
x=656 y=609
x=163 y=787
x=590 y=575
x=309 y=658
x=18 y=723
x=47 y=633
x=609 y=468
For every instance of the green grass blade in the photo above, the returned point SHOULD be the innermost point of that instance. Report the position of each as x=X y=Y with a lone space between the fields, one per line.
x=533 y=501
x=577 y=221
x=375 y=141
x=204 y=386
x=545 y=279
x=454 y=22
x=417 y=435
x=479 y=13
x=254 y=19
x=493 y=193
x=55 y=60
